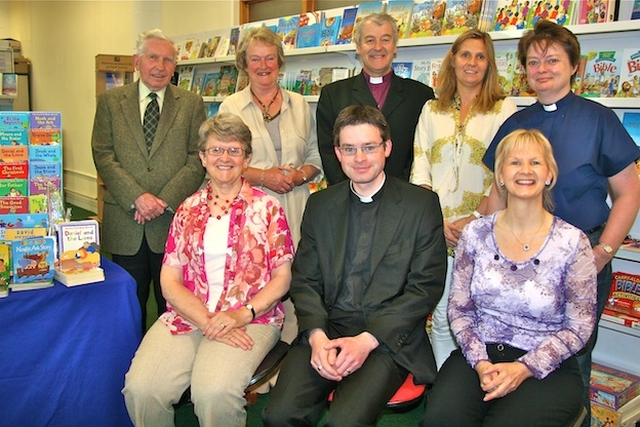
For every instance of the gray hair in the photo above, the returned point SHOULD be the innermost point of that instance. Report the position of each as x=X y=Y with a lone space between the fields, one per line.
x=379 y=19
x=156 y=33
x=225 y=127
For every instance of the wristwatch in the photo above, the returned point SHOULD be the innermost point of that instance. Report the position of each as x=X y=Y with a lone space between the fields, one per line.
x=608 y=249
x=253 y=312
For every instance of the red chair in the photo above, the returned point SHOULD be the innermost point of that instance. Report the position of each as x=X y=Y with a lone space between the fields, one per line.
x=407 y=396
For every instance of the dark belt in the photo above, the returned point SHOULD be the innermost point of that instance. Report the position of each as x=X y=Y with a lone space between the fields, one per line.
x=596 y=229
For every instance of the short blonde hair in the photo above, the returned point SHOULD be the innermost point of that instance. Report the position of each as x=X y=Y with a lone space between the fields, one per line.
x=521 y=139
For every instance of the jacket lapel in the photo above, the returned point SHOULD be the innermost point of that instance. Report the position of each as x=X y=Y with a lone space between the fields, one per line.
x=361 y=93
x=389 y=217
x=339 y=221
x=395 y=96
x=131 y=111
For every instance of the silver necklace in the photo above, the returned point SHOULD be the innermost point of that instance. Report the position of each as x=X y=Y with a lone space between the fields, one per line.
x=525 y=246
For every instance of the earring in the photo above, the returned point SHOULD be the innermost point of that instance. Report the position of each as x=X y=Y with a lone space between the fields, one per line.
x=547 y=183
x=501 y=183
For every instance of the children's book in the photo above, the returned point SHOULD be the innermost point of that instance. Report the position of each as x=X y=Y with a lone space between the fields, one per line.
x=44 y=176
x=510 y=15
x=228 y=80
x=602 y=74
x=402 y=69
x=198 y=82
x=558 y=11
x=234 y=38
x=592 y=11
x=44 y=153
x=187 y=48
x=5 y=267
x=366 y=8
x=223 y=46
x=22 y=221
x=9 y=84
x=212 y=109
x=288 y=30
x=436 y=64
x=210 y=85
x=45 y=128
x=32 y=263
x=14 y=137
x=505 y=63
x=489 y=8
x=14 y=205
x=17 y=170
x=37 y=203
x=611 y=387
x=624 y=296
x=629 y=74
x=400 y=10
x=308 y=35
x=422 y=71
x=330 y=26
x=75 y=279
x=576 y=86
x=621 y=319
x=14 y=120
x=13 y=187
x=14 y=153
x=426 y=18
x=519 y=82
x=197 y=49
x=243 y=81
x=185 y=78
x=210 y=51
x=460 y=16
x=78 y=246
x=347 y=25
x=631 y=122
x=12 y=234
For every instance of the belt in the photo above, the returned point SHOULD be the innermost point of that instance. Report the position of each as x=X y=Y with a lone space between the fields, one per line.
x=596 y=229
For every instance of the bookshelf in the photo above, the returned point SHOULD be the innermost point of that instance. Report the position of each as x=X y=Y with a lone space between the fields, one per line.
x=621 y=34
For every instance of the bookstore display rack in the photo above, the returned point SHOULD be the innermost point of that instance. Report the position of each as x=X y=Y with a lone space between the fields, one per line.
x=593 y=37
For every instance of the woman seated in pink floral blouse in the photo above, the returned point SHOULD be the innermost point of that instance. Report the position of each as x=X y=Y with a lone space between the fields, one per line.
x=522 y=304
x=227 y=264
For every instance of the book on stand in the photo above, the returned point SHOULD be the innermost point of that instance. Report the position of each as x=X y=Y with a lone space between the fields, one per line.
x=79 y=253
x=228 y=80
x=402 y=69
x=347 y=25
x=288 y=30
x=366 y=8
x=309 y=27
x=624 y=295
x=422 y=71
x=602 y=74
x=5 y=268
x=460 y=16
x=631 y=122
x=505 y=64
x=234 y=38
x=400 y=11
x=330 y=26
x=426 y=18
x=32 y=263
x=210 y=85
x=185 y=78
x=629 y=74
x=210 y=51
x=198 y=82
x=223 y=46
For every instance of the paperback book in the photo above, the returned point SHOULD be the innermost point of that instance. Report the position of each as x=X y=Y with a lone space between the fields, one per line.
x=422 y=71
x=624 y=296
x=288 y=30
x=185 y=77
x=611 y=387
x=223 y=46
x=558 y=11
x=347 y=25
x=402 y=69
x=366 y=8
x=630 y=74
x=210 y=85
x=234 y=38
x=198 y=83
x=505 y=64
x=602 y=74
x=308 y=36
x=510 y=15
x=426 y=18
x=228 y=80
x=631 y=122
x=400 y=10
x=330 y=26
x=460 y=16
x=32 y=263
x=13 y=153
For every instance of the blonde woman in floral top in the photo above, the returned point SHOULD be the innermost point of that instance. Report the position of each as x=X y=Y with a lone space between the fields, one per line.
x=522 y=304
x=227 y=264
x=452 y=135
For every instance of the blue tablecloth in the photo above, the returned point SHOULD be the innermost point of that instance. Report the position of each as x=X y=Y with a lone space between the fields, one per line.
x=64 y=353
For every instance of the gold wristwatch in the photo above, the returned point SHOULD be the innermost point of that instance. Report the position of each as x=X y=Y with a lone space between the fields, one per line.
x=608 y=249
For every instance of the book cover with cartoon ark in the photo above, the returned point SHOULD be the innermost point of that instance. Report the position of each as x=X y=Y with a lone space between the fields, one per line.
x=45 y=128
x=32 y=263
x=79 y=246
x=426 y=18
x=460 y=16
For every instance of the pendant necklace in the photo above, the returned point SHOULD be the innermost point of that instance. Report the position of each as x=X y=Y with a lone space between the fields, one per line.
x=525 y=246
x=265 y=108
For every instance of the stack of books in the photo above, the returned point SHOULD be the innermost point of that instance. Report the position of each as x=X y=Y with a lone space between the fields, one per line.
x=79 y=253
x=615 y=397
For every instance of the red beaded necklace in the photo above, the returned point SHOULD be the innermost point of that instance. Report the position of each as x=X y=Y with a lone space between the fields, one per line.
x=224 y=208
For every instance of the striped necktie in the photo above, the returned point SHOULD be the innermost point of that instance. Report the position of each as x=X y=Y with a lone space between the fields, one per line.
x=151 y=118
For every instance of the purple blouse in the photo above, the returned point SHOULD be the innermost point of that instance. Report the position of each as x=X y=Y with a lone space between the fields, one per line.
x=545 y=305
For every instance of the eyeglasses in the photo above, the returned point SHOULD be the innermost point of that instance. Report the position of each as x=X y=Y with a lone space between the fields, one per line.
x=366 y=149
x=219 y=151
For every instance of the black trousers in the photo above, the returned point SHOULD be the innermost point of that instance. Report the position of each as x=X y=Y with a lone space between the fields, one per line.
x=144 y=267
x=455 y=400
x=299 y=398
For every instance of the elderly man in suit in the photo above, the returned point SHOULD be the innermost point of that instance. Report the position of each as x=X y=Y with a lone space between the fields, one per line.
x=369 y=269
x=144 y=143
x=400 y=100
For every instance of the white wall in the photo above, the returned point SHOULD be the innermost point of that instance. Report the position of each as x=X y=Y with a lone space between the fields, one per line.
x=62 y=38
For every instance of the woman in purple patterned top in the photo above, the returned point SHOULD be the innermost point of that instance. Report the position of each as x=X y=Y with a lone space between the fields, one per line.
x=522 y=304
x=227 y=264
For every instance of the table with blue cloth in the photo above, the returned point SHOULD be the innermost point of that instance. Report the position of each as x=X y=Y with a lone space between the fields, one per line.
x=64 y=352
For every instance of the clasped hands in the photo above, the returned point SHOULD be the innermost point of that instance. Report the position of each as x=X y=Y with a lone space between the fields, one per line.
x=340 y=357
x=282 y=179
x=228 y=327
x=500 y=379
x=148 y=207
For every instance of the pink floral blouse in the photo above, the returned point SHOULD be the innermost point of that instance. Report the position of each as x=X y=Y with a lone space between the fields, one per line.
x=259 y=241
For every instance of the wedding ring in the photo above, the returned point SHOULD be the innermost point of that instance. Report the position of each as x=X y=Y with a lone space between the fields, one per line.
x=223 y=325
x=319 y=368
x=348 y=371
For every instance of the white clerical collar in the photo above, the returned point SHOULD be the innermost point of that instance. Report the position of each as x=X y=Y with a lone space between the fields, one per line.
x=369 y=198
x=550 y=108
x=376 y=80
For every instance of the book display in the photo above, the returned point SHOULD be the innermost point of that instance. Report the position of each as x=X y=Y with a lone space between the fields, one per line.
x=79 y=253
x=615 y=397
